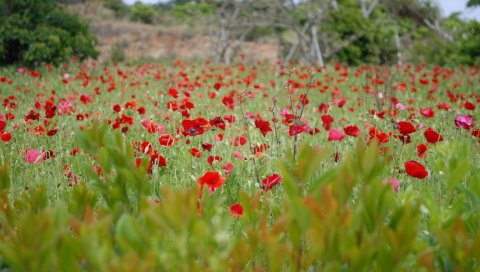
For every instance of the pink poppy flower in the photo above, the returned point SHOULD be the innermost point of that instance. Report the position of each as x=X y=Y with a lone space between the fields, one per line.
x=335 y=135
x=464 y=121
x=394 y=182
x=33 y=156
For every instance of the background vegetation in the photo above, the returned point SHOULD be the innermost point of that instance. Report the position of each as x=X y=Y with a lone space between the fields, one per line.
x=351 y=31
x=34 y=32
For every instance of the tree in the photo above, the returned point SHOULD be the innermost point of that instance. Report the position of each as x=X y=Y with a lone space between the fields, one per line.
x=143 y=13
x=318 y=31
x=34 y=32
x=473 y=3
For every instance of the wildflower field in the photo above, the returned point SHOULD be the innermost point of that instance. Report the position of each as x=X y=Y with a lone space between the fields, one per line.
x=204 y=167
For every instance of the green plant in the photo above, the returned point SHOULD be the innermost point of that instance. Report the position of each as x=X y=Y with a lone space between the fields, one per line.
x=34 y=32
x=143 y=13
x=118 y=53
x=117 y=6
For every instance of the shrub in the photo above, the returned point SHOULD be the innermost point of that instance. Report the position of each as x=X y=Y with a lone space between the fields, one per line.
x=118 y=53
x=142 y=13
x=34 y=32
x=117 y=6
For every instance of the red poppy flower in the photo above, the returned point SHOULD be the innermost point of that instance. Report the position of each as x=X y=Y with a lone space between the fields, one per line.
x=352 y=130
x=48 y=154
x=269 y=182
x=469 y=105
x=50 y=109
x=304 y=99
x=236 y=210
x=404 y=138
x=327 y=121
x=35 y=74
x=228 y=102
x=173 y=92
x=422 y=150
x=38 y=130
x=219 y=137
x=86 y=99
x=207 y=147
x=117 y=108
x=32 y=116
x=238 y=155
x=476 y=132
x=166 y=140
x=172 y=105
x=405 y=127
x=211 y=159
x=228 y=168
x=5 y=137
x=211 y=179
x=432 y=136
x=374 y=133
x=229 y=118
x=194 y=127
x=9 y=116
x=288 y=118
x=218 y=122
x=427 y=112
x=415 y=169
x=196 y=152
x=146 y=148
x=158 y=160
x=443 y=106
x=141 y=110
x=239 y=141
x=75 y=151
x=297 y=129
x=264 y=126
x=313 y=131
x=323 y=108
x=52 y=132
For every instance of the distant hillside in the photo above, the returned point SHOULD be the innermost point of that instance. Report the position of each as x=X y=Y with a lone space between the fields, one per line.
x=138 y=40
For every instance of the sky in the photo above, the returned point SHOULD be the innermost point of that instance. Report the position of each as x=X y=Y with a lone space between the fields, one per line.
x=448 y=7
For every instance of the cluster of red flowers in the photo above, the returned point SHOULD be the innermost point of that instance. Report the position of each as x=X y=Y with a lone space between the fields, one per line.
x=197 y=115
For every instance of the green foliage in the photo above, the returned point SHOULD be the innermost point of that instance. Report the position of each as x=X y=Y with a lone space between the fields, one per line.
x=348 y=221
x=118 y=53
x=190 y=9
x=144 y=13
x=469 y=44
x=345 y=35
x=473 y=3
x=357 y=43
x=28 y=36
x=118 y=6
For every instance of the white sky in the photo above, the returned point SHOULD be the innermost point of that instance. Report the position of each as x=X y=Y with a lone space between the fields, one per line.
x=448 y=6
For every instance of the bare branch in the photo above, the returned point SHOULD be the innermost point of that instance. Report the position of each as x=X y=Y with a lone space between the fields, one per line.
x=435 y=26
x=367 y=11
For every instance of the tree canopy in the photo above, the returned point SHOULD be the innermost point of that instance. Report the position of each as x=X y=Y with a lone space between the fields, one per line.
x=33 y=32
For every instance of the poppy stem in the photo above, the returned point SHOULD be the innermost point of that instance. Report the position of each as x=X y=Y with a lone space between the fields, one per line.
x=252 y=151
x=299 y=117
x=274 y=120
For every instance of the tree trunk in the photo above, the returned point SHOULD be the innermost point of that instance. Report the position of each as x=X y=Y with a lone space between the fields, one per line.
x=316 y=46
